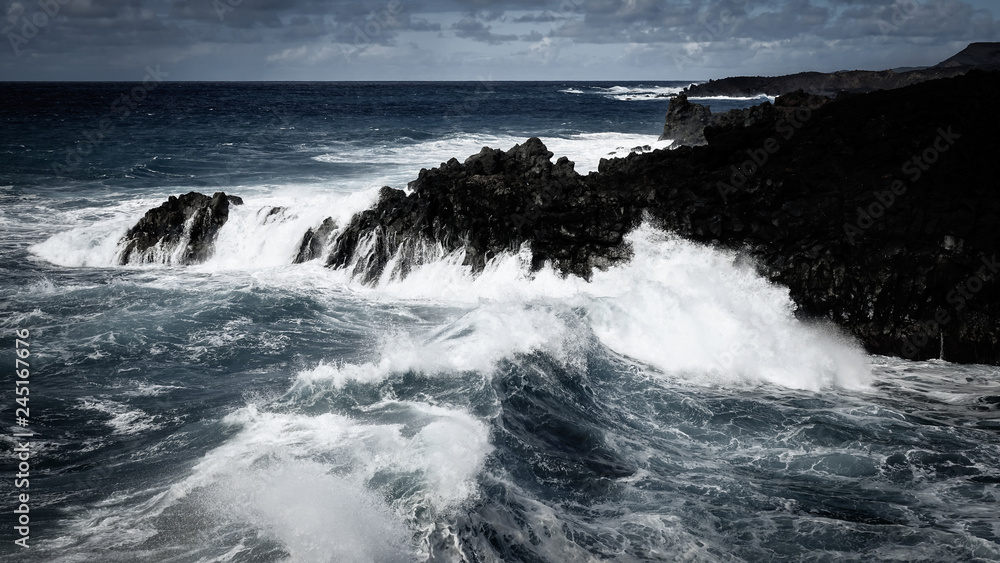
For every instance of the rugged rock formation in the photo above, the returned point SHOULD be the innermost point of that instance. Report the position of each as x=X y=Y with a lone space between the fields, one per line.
x=984 y=56
x=491 y=203
x=686 y=122
x=876 y=210
x=192 y=219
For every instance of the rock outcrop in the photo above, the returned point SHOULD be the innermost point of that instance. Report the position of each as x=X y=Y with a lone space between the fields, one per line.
x=686 y=122
x=181 y=231
x=493 y=202
x=315 y=241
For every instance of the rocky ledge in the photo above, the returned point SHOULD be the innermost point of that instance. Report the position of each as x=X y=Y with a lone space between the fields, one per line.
x=878 y=211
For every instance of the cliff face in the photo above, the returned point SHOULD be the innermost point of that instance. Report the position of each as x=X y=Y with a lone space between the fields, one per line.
x=877 y=211
x=984 y=56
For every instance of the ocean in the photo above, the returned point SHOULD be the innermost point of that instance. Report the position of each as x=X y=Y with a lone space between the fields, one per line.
x=248 y=409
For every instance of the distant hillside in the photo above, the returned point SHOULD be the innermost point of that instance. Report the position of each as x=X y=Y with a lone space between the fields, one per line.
x=984 y=56
x=975 y=55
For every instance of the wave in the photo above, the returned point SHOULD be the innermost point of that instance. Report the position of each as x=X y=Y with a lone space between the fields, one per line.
x=759 y=98
x=322 y=487
x=630 y=93
x=264 y=233
x=687 y=310
x=584 y=149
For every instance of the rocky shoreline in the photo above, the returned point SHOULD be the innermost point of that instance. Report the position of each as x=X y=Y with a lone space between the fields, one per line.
x=878 y=211
x=981 y=56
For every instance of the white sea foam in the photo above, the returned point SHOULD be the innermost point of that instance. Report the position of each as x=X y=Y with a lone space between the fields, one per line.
x=124 y=420
x=265 y=233
x=630 y=93
x=252 y=238
x=686 y=309
x=325 y=487
x=89 y=245
x=708 y=99
x=306 y=481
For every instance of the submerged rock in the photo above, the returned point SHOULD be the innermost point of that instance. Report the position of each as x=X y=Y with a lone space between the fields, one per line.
x=191 y=221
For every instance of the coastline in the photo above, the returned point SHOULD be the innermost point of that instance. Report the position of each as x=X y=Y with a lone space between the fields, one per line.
x=873 y=209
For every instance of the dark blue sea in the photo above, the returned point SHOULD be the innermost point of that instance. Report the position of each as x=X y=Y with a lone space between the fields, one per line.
x=249 y=409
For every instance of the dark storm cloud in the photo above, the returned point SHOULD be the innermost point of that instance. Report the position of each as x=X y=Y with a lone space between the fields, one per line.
x=110 y=34
x=544 y=17
x=647 y=21
x=476 y=30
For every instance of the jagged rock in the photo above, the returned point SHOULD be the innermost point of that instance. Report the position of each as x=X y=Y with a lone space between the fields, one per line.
x=192 y=219
x=690 y=124
x=273 y=215
x=686 y=122
x=315 y=241
x=492 y=203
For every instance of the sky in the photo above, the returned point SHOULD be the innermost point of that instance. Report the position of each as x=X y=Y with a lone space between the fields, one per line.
x=479 y=39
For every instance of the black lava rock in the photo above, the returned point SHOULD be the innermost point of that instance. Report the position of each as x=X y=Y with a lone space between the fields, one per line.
x=315 y=241
x=879 y=211
x=195 y=218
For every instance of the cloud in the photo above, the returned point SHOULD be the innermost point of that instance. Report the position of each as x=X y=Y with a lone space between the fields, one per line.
x=115 y=38
x=543 y=17
x=469 y=28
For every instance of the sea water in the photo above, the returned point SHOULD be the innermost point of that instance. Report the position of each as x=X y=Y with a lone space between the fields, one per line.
x=249 y=409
